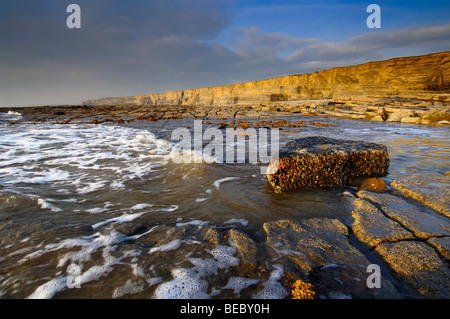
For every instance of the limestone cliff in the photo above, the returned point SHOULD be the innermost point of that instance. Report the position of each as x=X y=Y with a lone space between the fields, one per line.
x=426 y=76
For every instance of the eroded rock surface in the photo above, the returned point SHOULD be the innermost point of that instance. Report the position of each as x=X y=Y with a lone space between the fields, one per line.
x=320 y=161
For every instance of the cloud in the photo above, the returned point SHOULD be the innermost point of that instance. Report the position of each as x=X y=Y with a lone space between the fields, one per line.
x=140 y=47
x=315 y=54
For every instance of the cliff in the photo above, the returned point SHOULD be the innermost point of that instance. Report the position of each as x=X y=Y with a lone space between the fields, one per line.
x=425 y=77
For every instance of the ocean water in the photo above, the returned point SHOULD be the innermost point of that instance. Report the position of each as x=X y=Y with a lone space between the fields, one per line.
x=105 y=175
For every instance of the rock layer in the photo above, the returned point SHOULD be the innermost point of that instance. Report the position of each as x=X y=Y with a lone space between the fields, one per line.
x=427 y=76
x=320 y=161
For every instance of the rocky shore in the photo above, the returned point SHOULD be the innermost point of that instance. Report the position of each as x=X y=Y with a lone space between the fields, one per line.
x=409 y=111
x=404 y=228
x=408 y=240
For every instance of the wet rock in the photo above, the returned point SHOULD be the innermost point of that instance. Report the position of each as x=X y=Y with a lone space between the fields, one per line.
x=396 y=115
x=371 y=227
x=373 y=185
x=432 y=189
x=419 y=265
x=422 y=223
x=320 y=248
x=211 y=236
x=323 y=241
x=244 y=244
x=442 y=244
x=320 y=161
x=11 y=233
x=410 y=120
x=130 y=229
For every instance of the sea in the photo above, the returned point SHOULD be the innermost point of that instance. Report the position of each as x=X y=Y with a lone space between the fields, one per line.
x=101 y=175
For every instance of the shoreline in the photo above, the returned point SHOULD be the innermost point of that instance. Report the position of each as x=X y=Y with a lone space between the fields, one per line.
x=400 y=110
x=402 y=240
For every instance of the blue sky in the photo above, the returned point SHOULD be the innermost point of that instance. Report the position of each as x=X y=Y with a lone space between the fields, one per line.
x=139 y=47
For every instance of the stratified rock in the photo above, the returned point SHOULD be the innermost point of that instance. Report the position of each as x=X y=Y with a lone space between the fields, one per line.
x=423 y=224
x=321 y=161
x=372 y=228
x=411 y=120
x=432 y=189
x=419 y=265
x=427 y=75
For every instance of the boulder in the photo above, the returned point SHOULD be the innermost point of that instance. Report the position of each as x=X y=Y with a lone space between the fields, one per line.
x=321 y=161
x=373 y=185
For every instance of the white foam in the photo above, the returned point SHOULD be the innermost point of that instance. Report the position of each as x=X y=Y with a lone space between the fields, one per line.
x=129 y=288
x=88 y=157
x=175 y=244
x=222 y=180
x=169 y=209
x=185 y=284
x=241 y=221
x=193 y=222
x=14 y=113
x=189 y=283
x=272 y=287
x=141 y=206
x=118 y=220
x=49 y=289
x=91 y=187
x=96 y=210
x=86 y=246
x=237 y=284
x=45 y=205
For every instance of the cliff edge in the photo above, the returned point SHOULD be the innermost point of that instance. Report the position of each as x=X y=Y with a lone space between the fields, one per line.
x=425 y=77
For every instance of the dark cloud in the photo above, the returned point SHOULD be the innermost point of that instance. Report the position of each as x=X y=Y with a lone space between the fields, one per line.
x=139 y=47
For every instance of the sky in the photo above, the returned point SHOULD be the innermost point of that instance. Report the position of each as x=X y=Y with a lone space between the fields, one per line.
x=136 y=47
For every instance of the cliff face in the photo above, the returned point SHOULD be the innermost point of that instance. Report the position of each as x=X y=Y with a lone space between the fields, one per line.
x=425 y=76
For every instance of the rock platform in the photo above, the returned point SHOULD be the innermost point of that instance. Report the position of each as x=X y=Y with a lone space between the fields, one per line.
x=408 y=240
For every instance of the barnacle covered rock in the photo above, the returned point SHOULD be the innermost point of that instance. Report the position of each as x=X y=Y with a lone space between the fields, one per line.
x=321 y=161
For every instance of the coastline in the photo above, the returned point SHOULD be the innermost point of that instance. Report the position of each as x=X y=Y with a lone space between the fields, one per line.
x=401 y=110
x=403 y=241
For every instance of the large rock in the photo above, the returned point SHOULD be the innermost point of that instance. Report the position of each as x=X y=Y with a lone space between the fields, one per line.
x=321 y=161
x=432 y=189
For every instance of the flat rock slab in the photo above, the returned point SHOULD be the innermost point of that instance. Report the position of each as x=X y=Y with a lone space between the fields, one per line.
x=419 y=265
x=321 y=161
x=372 y=227
x=321 y=247
x=423 y=224
x=432 y=189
